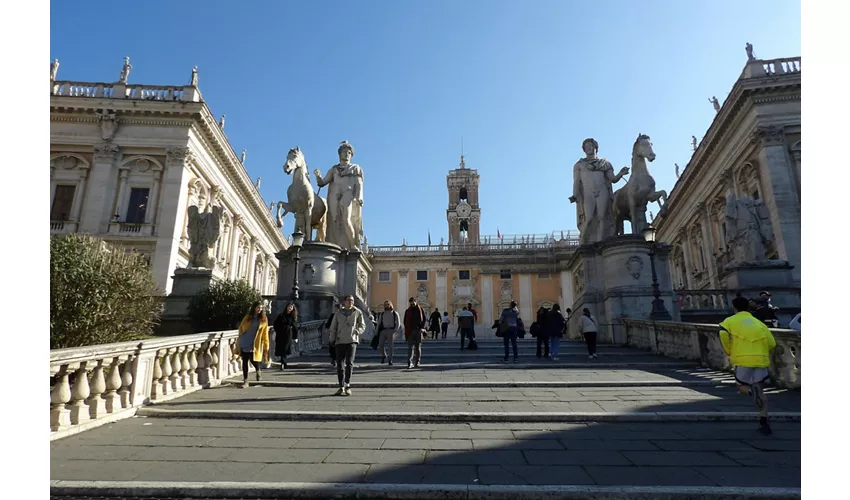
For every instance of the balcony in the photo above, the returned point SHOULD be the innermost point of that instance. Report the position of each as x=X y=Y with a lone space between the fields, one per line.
x=63 y=227
x=130 y=229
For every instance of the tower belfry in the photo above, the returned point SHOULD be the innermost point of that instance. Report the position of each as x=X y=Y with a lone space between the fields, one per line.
x=463 y=213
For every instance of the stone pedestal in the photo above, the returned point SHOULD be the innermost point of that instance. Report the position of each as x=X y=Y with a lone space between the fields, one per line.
x=775 y=276
x=326 y=273
x=614 y=280
x=187 y=283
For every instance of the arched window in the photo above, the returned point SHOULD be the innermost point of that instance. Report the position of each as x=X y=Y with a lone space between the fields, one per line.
x=463 y=194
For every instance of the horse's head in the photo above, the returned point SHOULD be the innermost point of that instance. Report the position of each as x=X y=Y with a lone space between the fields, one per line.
x=643 y=148
x=294 y=160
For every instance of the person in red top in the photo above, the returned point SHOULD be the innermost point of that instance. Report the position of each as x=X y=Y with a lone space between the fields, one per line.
x=473 y=311
x=415 y=323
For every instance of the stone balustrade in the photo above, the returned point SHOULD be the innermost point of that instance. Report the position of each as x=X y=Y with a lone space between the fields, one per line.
x=125 y=91
x=701 y=342
x=98 y=384
x=698 y=300
x=782 y=66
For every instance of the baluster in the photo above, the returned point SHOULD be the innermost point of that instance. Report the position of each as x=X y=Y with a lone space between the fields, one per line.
x=216 y=367
x=175 y=371
x=193 y=365
x=126 y=383
x=113 y=383
x=80 y=412
x=234 y=357
x=785 y=366
x=166 y=373
x=97 y=405
x=202 y=376
x=184 y=367
x=60 y=395
x=156 y=383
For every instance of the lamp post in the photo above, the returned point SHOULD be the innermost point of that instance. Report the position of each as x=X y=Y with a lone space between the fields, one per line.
x=297 y=241
x=659 y=312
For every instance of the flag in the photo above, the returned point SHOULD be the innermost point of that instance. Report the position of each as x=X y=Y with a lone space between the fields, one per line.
x=429 y=237
x=498 y=234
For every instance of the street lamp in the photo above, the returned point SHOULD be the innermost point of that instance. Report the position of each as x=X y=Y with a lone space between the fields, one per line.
x=659 y=312
x=297 y=241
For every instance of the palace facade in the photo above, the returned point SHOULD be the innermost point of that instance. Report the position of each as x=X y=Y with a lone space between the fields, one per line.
x=126 y=163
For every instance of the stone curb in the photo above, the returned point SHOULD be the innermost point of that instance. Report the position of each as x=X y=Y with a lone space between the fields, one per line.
x=465 y=416
x=490 y=384
x=363 y=491
x=595 y=364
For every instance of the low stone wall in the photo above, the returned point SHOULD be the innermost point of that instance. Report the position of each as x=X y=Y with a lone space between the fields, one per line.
x=701 y=342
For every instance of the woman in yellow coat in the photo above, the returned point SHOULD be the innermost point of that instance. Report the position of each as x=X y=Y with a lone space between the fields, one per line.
x=253 y=340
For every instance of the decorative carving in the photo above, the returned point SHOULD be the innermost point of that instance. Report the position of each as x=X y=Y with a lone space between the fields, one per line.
x=422 y=293
x=363 y=283
x=142 y=164
x=748 y=228
x=634 y=266
x=402 y=273
x=771 y=135
x=108 y=122
x=203 y=230
x=578 y=281
x=105 y=152
x=178 y=154
x=441 y=272
x=309 y=271
x=506 y=290
x=66 y=162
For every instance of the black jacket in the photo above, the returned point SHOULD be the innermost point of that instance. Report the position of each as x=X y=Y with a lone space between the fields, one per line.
x=285 y=331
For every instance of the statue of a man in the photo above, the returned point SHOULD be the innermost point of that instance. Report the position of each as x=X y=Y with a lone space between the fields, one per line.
x=194 y=81
x=244 y=154
x=677 y=170
x=54 y=68
x=694 y=142
x=345 y=199
x=125 y=71
x=750 y=55
x=221 y=122
x=748 y=228
x=714 y=102
x=593 y=194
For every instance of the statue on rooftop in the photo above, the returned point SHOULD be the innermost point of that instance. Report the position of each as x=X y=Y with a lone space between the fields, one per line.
x=194 y=81
x=694 y=142
x=125 y=71
x=714 y=102
x=750 y=56
x=54 y=68
x=221 y=122
x=677 y=170
x=244 y=153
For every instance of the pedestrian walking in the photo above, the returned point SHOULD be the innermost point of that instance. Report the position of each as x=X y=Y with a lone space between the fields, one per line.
x=253 y=341
x=346 y=328
x=538 y=330
x=446 y=321
x=590 y=330
x=555 y=325
x=466 y=326
x=509 y=323
x=414 y=329
x=748 y=342
x=434 y=323
x=285 y=333
x=388 y=325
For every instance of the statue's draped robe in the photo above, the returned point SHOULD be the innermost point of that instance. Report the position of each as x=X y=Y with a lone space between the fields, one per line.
x=583 y=190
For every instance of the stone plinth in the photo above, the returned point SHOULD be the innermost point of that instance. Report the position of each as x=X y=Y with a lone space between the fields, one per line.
x=613 y=279
x=187 y=283
x=775 y=276
x=326 y=273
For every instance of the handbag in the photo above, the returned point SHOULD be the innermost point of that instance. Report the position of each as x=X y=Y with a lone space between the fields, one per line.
x=503 y=328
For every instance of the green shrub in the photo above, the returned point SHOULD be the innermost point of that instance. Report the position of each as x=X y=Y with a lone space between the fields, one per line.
x=222 y=306
x=99 y=293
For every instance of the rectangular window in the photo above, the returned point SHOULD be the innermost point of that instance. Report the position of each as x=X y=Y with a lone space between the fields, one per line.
x=384 y=276
x=138 y=206
x=505 y=274
x=463 y=275
x=543 y=276
x=421 y=275
x=63 y=200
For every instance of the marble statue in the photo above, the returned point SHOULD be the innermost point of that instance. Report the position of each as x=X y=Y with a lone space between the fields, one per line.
x=748 y=228
x=54 y=68
x=108 y=123
x=194 y=81
x=310 y=209
x=442 y=241
x=677 y=170
x=125 y=71
x=244 y=154
x=271 y=207
x=714 y=102
x=221 y=122
x=593 y=194
x=630 y=200
x=750 y=56
x=258 y=183
x=204 y=230
x=694 y=142
x=345 y=199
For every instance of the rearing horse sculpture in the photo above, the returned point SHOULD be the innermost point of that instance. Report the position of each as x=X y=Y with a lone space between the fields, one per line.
x=301 y=200
x=630 y=200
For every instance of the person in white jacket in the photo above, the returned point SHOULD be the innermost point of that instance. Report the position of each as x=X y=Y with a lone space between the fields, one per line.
x=588 y=327
x=346 y=328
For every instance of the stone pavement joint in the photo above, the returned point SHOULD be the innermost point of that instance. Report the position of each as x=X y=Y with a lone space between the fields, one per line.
x=342 y=491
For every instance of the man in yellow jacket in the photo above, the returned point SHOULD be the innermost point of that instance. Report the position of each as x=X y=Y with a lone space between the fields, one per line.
x=748 y=342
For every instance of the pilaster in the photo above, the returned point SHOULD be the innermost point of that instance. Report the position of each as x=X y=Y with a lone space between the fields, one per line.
x=175 y=191
x=95 y=216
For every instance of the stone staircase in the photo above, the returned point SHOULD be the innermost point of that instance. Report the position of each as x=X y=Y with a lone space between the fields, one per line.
x=463 y=425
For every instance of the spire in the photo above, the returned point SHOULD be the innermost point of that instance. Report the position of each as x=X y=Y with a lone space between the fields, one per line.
x=462 y=160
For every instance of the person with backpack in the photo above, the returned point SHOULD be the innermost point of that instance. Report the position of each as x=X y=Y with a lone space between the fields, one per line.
x=538 y=330
x=388 y=323
x=589 y=329
x=414 y=328
x=466 y=326
x=509 y=326
x=555 y=325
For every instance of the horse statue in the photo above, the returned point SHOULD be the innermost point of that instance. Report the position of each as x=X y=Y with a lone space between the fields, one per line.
x=301 y=200
x=630 y=200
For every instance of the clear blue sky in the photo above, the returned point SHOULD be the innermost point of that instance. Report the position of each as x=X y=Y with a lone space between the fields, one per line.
x=523 y=82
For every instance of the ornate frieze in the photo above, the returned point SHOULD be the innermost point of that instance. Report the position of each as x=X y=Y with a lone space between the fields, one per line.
x=105 y=152
x=771 y=135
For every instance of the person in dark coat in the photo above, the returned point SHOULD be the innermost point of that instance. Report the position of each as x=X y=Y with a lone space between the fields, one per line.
x=538 y=329
x=555 y=324
x=286 y=333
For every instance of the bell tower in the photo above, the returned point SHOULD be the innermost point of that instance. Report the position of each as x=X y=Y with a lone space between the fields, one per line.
x=463 y=214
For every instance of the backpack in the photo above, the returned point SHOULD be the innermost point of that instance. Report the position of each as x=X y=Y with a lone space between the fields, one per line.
x=381 y=321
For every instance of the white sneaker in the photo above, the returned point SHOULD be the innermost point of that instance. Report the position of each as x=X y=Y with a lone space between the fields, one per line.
x=590 y=357
x=595 y=356
x=555 y=358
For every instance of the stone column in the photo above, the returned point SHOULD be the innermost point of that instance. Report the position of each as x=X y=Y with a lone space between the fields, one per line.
x=567 y=297
x=93 y=219
x=233 y=252
x=401 y=292
x=798 y=160
x=686 y=250
x=442 y=290
x=526 y=308
x=251 y=261
x=487 y=314
x=780 y=195
x=175 y=195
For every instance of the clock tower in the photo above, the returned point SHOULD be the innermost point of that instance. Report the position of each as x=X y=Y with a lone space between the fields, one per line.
x=463 y=214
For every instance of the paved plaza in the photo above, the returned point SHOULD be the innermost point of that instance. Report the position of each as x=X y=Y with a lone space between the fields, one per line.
x=462 y=420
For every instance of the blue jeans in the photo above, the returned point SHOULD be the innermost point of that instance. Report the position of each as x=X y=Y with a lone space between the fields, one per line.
x=511 y=335
x=554 y=345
